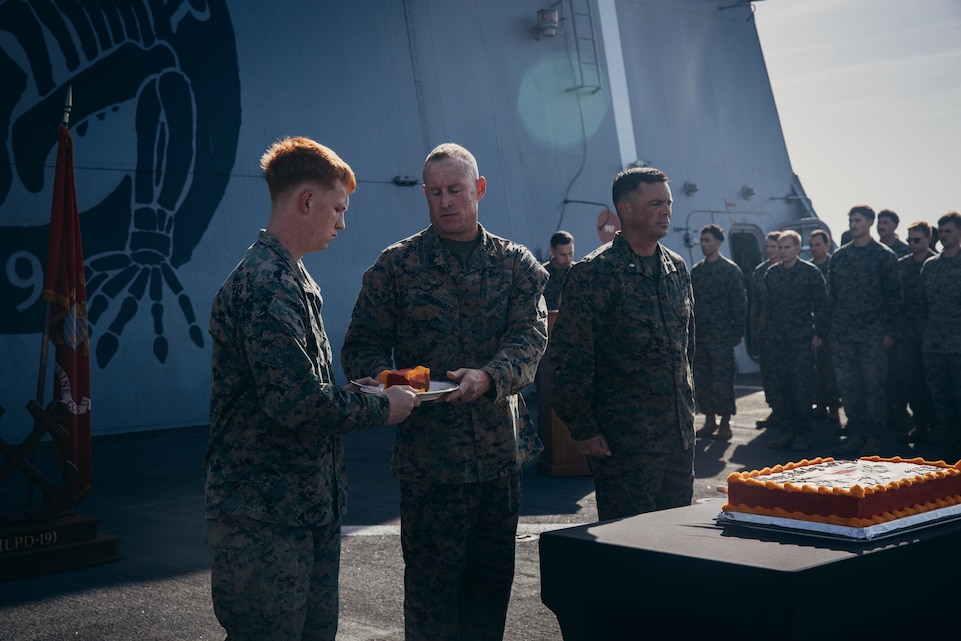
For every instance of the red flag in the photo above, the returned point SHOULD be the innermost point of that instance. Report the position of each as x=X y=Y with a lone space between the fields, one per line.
x=65 y=290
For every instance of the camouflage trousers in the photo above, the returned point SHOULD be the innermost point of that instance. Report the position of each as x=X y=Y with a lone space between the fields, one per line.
x=458 y=542
x=914 y=391
x=636 y=481
x=943 y=374
x=792 y=374
x=714 y=372
x=764 y=358
x=825 y=382
x=861 y=368
x=897 y=417
x=274 y=582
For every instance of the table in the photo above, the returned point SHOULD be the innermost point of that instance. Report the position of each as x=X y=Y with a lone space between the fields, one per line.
x=676 y=574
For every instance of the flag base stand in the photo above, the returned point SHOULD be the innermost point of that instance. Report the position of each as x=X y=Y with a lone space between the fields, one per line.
x=65 y=542
x=47 y=538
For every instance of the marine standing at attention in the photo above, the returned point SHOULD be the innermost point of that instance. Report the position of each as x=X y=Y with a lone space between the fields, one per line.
x=910 y=346
x=794 y=319
x=941 y=304
x=469 y=305
x=898 y=420
x=276 y=479
x=720 y=302
x=826 y=398
x=621 y=351
x=773 y=255
x=864 y=303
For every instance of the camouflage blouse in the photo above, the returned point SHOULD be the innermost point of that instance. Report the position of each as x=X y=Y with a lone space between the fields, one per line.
x=276 y=416
x=941 y=304
x=621 y=350
x=720 y=300
x=797 y=299
x=864 y=292
x=911 y=322
x=419 y=306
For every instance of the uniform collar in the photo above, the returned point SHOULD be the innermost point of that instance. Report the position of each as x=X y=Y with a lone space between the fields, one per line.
x=436 y=254
x=634 y=263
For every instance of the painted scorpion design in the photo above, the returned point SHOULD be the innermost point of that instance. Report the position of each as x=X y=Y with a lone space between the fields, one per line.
x=167 y=69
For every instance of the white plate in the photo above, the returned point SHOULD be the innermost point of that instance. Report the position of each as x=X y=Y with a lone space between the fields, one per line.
x=437 y=389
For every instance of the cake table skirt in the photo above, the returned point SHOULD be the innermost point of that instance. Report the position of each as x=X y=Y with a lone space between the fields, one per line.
x=678 y=572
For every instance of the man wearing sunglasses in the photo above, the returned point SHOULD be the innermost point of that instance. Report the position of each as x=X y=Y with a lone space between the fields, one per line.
x=914 y=391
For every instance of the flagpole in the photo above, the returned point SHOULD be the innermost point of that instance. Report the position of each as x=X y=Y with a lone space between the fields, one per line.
x=42 y=378
x=45 y=336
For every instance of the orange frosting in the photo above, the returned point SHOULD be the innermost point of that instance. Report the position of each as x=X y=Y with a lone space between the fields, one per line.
x=417 y=377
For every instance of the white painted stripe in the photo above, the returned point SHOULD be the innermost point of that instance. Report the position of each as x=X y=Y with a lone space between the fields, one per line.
x=394 y=529
x=617 y=77
x=370 y=530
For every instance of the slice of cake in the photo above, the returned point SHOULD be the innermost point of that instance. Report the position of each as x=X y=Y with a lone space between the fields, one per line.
x=861 y=493
x=417 y=377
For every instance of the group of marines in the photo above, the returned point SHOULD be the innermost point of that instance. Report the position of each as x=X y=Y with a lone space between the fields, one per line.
x=872 y=327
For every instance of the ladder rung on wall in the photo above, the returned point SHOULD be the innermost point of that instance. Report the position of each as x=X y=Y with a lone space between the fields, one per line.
x=588 y=63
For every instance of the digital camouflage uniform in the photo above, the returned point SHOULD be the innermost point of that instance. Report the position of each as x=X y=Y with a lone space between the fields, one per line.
x=552 y=292
x=276 y=480
x=941 y=305
x=458 y=463
x=909 y=348
x=620 y=352
x=758 y=337
x=794 y=315
x=900 y=248
x=826 y=395
x=720 y=303
x=897 y=418
x=864 y=303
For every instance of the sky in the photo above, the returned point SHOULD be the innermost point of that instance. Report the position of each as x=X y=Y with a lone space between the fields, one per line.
x=869 y=97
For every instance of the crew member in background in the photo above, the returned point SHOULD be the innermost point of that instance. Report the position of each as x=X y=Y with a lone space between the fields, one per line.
x=720 y=303
x=898 y=420
x=864 y=304
x=819 y=243
x=910 y=346
x=826 y=399
x=794 y=321
x=562 y=257
x=941 y=305
x=773 y=253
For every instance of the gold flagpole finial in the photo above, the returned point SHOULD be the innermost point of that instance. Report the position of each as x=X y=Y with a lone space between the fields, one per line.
x=68 y=105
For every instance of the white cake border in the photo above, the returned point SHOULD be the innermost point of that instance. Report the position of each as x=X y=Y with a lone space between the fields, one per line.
x=815 y=528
